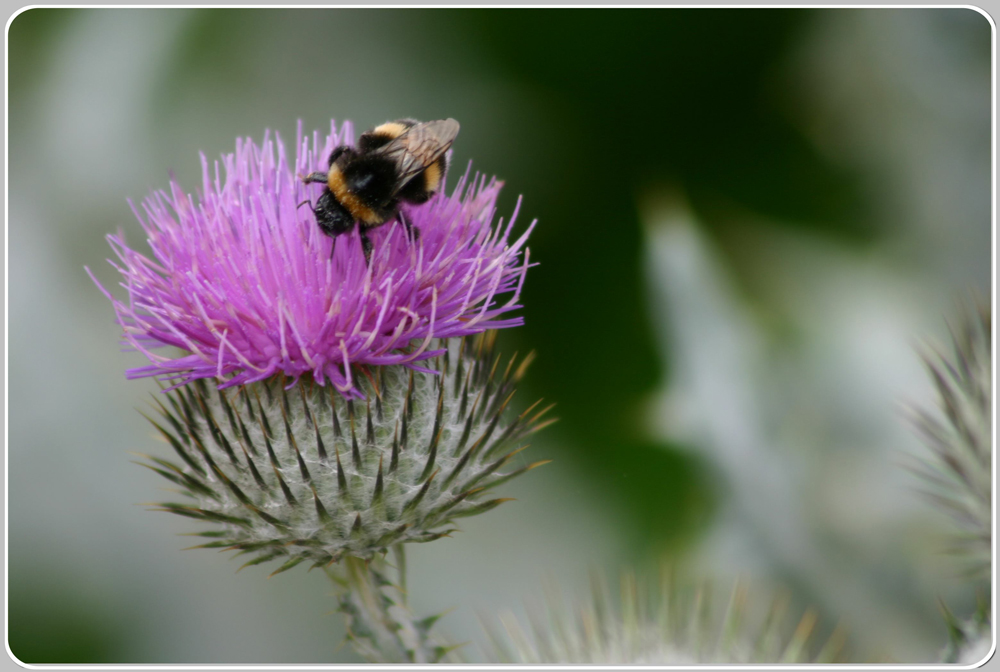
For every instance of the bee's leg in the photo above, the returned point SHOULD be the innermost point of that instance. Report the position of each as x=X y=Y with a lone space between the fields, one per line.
x=303 y=203
x=411 y=230
x=366 y=246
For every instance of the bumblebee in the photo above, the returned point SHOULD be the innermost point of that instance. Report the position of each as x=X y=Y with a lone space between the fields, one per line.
x=399 y=161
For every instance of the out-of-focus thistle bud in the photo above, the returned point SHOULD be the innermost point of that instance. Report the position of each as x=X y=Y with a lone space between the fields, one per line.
x=958 y=475
x=666 y=621
x=303 y=475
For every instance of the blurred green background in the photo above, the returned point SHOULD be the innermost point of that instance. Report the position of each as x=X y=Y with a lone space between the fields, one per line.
x=747 y=220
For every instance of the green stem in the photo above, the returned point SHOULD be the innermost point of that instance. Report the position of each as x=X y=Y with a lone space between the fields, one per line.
x=399 y=551
x=380 y=625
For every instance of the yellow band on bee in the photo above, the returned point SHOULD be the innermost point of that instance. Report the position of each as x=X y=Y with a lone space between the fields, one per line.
x=391 y=129
x=432 y=177
x=335 y=181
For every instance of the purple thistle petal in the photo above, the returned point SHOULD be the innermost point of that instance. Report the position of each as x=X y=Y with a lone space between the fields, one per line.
x=243 y=279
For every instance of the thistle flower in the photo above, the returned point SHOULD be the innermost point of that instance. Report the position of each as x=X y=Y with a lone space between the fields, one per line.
x=243 y=280
x=303 y=475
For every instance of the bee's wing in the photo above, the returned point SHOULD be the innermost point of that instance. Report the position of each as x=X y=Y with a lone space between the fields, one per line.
x=420 y=146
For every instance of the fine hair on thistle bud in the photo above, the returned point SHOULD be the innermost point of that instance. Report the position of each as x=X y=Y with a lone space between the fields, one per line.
x=300 y=473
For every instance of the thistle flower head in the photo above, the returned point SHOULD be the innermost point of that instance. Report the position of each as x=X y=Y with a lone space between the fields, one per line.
x=303 y=475
x=242 y=279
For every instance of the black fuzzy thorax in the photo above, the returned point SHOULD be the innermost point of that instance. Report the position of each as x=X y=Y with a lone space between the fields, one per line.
x=372 y=179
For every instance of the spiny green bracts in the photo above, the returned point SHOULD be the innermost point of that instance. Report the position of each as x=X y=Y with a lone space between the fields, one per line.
x=302 y=475
x=664 y=622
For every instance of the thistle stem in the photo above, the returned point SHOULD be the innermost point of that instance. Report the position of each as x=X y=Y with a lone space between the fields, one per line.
x=380 y=625
x=399 y=552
